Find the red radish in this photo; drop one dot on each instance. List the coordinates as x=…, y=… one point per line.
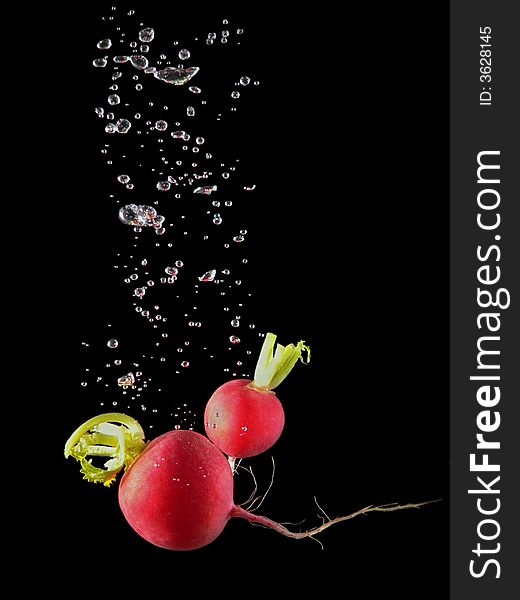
x=177, y=492
x=244, y=417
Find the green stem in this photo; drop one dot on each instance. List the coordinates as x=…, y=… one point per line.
x=272, y=369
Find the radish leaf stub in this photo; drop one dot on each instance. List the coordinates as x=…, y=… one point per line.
x=272, y=369
x=113, y=435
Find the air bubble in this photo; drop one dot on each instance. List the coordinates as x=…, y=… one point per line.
x=126, y=380
x=176, y=76
x=123, y=125
x=208, y=276
x=205, y=189
x=146, y=35
x=139, y=61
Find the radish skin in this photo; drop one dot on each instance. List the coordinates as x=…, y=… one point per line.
x=179, y=493
x=242, y=420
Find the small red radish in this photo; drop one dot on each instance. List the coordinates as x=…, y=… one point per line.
x=177, y=491
x=244, y=417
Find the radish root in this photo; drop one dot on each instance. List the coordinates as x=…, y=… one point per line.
x=239, y=512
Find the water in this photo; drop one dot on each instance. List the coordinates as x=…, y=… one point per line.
x=181, y=293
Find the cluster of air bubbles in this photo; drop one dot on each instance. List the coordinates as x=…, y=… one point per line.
x=121, y=126
x=140, y=215
x=180, y=135
x=151, y=160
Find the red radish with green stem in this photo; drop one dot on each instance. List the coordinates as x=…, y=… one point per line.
x=177, y=491
x=244, y=417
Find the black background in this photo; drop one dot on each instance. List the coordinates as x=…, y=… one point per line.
x=357, y=182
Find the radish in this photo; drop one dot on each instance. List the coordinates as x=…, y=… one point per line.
x=245, y=418
x=177, y=491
